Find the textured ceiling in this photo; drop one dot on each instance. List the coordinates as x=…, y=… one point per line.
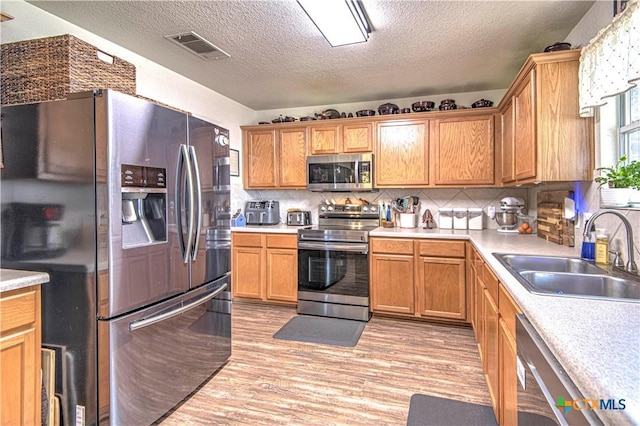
x=280, y=60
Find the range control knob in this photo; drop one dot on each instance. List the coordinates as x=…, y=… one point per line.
x=323, y=208
x=330, y=208
x=373, y=209
x=365, y=209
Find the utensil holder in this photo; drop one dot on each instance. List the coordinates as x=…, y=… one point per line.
x=408, y=220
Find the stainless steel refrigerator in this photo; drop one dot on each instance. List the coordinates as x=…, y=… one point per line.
x=125, y=203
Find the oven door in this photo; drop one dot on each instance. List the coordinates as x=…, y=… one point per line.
x=333, y=272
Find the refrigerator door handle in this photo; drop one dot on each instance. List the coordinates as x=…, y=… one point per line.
x=198, y=197
x=154, y=319
x=189, y=193
x=180, y=186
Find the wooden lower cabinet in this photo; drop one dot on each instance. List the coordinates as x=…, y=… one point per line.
x=392, y=284
x=20, y=359
x=409, y=278
x=442, y=287
x=490, y=347
x=508, y=377
x=264, y=266
x=494, y=325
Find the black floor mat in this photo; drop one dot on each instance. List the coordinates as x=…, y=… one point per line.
x=427, y=410
x=328, y=331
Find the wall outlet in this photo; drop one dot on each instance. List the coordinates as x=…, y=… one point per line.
x=491, y=212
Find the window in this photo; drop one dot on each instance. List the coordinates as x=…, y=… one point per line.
x=630, y=124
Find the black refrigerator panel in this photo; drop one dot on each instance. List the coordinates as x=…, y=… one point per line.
x=141, y=143
x=209, y=145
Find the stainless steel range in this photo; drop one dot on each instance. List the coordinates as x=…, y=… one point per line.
x=333, y=265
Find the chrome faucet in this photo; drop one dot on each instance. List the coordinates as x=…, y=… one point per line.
x=590, y=226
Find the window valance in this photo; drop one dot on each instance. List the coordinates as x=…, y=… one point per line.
x=610, y=63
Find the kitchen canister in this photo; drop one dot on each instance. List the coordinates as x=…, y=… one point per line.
x=408, y=220
x=445, y=218
x=475, y=218
x=459, y=218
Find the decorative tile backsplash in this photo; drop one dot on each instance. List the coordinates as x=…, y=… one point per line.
x=432, y=199
x=586, y=195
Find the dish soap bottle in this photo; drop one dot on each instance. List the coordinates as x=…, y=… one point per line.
x=602, y=246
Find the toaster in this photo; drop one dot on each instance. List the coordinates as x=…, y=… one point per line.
x=299, y=218
x=262, y=212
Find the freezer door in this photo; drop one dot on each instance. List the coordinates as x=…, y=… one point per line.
x=151, y=360
x=139, y=137
x=209, y=147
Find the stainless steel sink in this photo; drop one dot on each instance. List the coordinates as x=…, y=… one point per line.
x=582, y=285
x=567, y=276
x=551, y=264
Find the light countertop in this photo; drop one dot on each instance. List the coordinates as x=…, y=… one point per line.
x=11, y=279
x=596, y=341
x=277, y=229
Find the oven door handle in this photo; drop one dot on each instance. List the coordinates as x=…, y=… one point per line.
x=317, y=245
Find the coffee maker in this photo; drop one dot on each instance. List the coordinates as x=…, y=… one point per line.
x=509, y=214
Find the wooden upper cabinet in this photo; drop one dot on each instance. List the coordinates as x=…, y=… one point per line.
x=343, y=138
x=259, y=158
x=506, y=118
x=402, y=157
x=325, y=139
x=543, y=137
x=275, y=158
x=357, y=137
x=463, y=151
x=292, y=156
x=524, y=132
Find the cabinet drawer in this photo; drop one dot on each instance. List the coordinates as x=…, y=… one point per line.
x=508, y=309
x=491, y=283
x=282, y=241
x=18, y=308
x=247, y=240
x=392, y=246
x=442, y=248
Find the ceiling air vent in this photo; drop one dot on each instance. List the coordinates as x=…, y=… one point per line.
x=198, y=46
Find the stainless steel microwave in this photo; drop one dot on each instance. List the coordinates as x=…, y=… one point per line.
x=340, y=173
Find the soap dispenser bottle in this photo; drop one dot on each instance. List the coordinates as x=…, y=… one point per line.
x=602, y=246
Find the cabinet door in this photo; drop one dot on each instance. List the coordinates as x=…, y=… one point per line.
x=402, y=154
x=441, y=288
x=20, y=356
x=479, y=319
x=325, y=139
x=357, y=137
x=491, y=323
x=524, y=130
x=282, y=275
x=507, y=143
x=392, y=284
x=463, y=151
x=260, y=159
x=247, y=272
x=293, y=158
x=508, y=377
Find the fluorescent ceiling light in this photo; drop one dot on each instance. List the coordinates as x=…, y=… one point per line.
x=340, y=21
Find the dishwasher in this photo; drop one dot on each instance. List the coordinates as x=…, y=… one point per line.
x=543, y=384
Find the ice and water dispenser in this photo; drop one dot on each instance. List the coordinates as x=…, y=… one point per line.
x=144, y=205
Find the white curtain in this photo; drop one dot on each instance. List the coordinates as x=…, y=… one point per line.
x=610, y=63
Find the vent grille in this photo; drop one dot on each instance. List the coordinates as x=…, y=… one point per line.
x=198, y=46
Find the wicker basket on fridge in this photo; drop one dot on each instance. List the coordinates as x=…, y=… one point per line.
x=50, y=68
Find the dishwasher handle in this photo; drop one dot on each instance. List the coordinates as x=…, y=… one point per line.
x=154, y=319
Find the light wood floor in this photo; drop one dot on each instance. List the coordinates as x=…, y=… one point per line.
x=278, y=382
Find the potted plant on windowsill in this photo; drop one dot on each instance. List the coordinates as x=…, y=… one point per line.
x=618, y=181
